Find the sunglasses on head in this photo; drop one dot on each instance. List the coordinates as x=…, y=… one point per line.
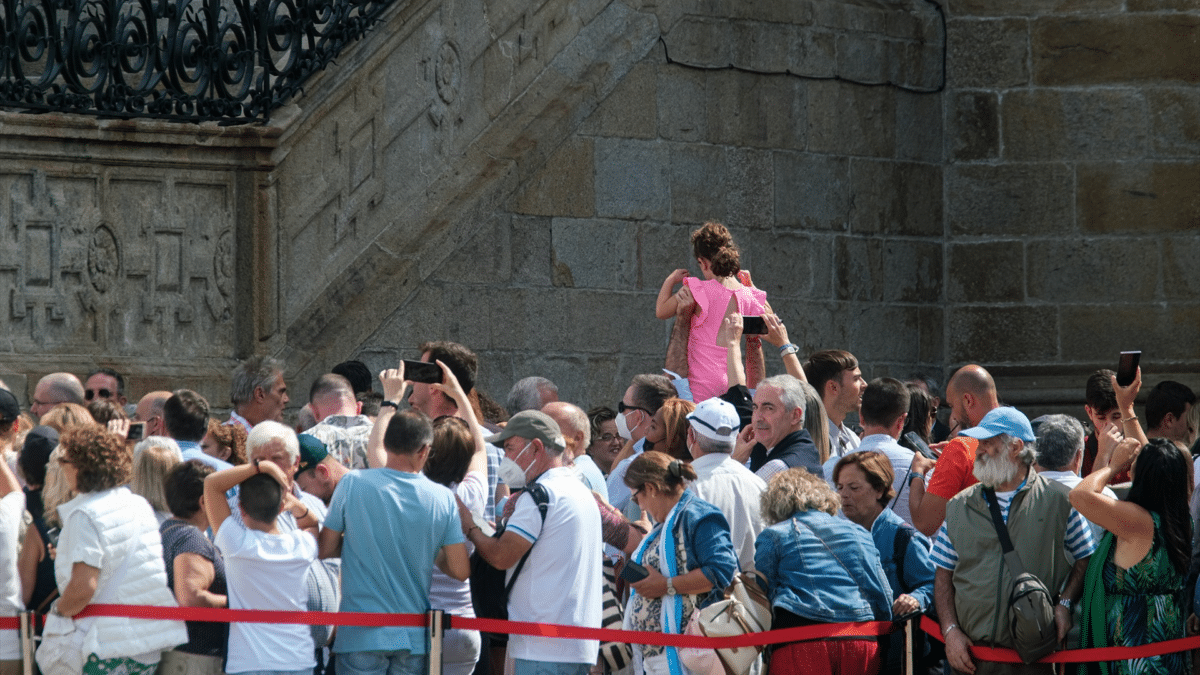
x=621, y=408
x=92, y=393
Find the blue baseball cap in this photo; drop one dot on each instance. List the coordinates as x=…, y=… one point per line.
x=1004, y=420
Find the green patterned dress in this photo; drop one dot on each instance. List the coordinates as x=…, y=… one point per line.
x=1146, y=605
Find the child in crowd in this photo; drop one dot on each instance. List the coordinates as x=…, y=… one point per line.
x=264, y=567
x=723, y=280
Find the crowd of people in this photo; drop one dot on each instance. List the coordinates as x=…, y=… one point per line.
x=849, y=501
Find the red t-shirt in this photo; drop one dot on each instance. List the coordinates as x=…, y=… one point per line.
x=955, y=468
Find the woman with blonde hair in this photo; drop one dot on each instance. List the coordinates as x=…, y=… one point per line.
x=819, y=569
x=153, y=459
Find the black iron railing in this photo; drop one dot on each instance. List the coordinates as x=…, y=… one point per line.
x=184, y=60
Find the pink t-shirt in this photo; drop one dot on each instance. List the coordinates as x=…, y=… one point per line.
x=706, y=361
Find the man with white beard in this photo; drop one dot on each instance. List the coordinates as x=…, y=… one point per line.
x=972, y=607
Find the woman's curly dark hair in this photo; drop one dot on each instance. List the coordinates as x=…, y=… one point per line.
x=714, y=243
x=101, y=460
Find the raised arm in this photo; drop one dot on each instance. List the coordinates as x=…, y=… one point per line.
x=451, y=387
x=217, y=484
x=664, y=307
x=730, y=337
x=1124, y=519
x=778, y=336
x=677, y=347
x=1125, y=398
x=394, y=386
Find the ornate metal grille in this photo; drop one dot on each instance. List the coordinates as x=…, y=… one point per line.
x=182, y=60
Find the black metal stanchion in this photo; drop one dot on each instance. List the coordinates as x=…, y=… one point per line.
x=436, y=625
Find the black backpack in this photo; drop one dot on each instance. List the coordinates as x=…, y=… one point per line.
x=489, y=592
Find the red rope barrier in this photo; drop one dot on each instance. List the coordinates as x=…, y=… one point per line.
x=1073, y=655
x=9, y=623
x=800, y=634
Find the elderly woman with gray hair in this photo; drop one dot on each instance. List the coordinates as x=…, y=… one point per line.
x=819, y=569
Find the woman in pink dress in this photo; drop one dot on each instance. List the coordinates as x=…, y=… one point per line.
x=719, y=262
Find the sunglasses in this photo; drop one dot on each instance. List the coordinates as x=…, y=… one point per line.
x=621, y=408
x=92, y=393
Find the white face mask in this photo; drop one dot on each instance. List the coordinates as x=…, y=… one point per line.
x=623, y=429
x=521, y=453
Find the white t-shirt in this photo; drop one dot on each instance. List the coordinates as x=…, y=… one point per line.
x=11, y=508
x=266, y=571
x=447, y=593
x=561, y=580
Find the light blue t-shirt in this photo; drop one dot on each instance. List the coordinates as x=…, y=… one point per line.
x=590, y=474
x=393, y=525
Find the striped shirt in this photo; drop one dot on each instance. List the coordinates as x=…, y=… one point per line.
x=1078, y=542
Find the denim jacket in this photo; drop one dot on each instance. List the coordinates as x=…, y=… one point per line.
x=918, y=568
x=823, y=568
x=709, y=548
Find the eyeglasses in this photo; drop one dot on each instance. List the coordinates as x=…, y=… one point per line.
x=634, y=494
x=609, y=438
x=92, y=393
x=621, y=408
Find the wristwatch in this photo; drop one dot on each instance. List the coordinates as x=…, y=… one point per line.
x=1065, y=602
x=390, y=404
x=671, y=586
x=789, y=348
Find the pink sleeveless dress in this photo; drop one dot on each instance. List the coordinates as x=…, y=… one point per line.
x=706, y=361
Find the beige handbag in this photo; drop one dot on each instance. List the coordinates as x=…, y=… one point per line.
x=745, y=609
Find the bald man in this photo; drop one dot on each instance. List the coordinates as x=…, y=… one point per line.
x=150, y=411
x=971, y=395
x=53, y=389
x=577, y=431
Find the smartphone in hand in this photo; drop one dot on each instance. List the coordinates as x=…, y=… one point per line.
x=1127, y=368
x=633, y=572
x=423, y=372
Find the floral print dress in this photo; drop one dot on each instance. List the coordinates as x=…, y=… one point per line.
x=1146, y=605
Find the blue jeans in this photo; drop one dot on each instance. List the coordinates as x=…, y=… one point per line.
x=400, y=662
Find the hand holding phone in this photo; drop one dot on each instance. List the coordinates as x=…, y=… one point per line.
x=633, y=572
x=1127, y=367
x=423, y=372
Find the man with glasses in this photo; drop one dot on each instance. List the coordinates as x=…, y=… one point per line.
x=643, y=398
x=105, y=384
x=53, y=389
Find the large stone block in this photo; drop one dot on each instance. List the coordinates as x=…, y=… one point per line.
x=595, y=253
x=613, y=323
x=973, y=122
x=888, y=270
x=989, y=54
x=681, y=102
x=870, y=131
x=762, y=47
x=1042, y=124
x=1162, y=5
x=750, y=194
x=1098, y=332
x=631, y=111
x=1139, y=197
x=882, y=334
x=530, y=245
x=932, y=335
x=1175, y=121
x=815, y=54
x=986, y=272
x=782, y=262
x=812, y=191
x=862, y=58
x=564, y=186
x=662, y=249
x=484, y=259
x=632, y=179
x=1010, y=199
x=1004, y=334
x=895, y=198
x=1179, y=260
x=919, y=127
x=699, y=179
x=767, y=111
x=1074, y=270
x=701, y=42
x=1132, y=48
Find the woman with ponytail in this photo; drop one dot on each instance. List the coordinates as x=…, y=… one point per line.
x=688, y=555
x=723, y=280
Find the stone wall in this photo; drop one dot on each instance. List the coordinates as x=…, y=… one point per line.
x=1008, y=183
x=1072, y=185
